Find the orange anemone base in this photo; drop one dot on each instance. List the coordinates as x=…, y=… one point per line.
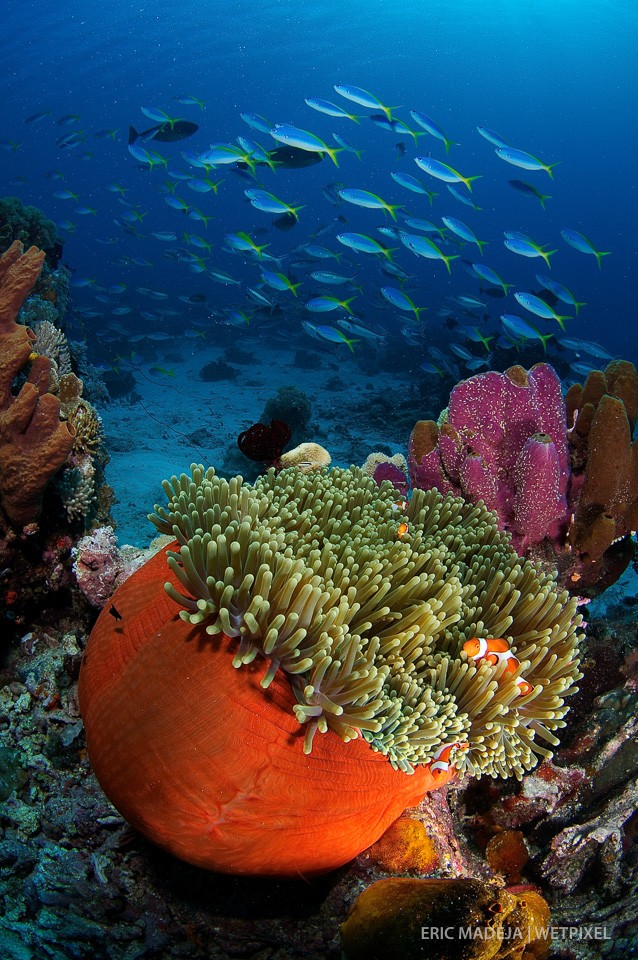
x=209, y=765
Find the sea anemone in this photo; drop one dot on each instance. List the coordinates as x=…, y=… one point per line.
x=348, y=638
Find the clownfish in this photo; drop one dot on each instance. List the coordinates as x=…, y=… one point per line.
x=491, y=649
x=495, y=650
x=400, y=505
x=402, y=530
x=440, y=762
x=524, y=687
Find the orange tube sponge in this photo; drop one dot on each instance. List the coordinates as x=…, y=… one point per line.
x=604, y=411
x=34, y=442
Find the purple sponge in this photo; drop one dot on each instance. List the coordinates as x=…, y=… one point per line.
x=504, y=442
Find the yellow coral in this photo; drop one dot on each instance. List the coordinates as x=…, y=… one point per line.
x=87, y=424
x=374, y=459
x=306, y=457
x=69, y=392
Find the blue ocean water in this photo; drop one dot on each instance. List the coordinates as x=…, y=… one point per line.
x=555, y=78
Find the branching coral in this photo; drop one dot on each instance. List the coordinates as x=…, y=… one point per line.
x=77, y=490
x=50, y=342
x=309, y=573
x=34, y=443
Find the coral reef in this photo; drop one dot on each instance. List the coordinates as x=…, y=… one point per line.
x=50, y=297
x=34, y=443
x=293, y=407
x=51, y=455
x=585, y=811
x=357, y=637
x=234, y=354
x=78, y=455
x=119, y=383
x=306, y=360
x=35, y=575
x=30, y=227
x=216, y=370
x=577, y=814
x=93, y=378
x=80, y=483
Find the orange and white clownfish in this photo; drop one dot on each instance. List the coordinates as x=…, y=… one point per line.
x=402, y=530
x=400, y=505
x=440, y=762
x=524, y=687
x=490, y=649
x=495, y=650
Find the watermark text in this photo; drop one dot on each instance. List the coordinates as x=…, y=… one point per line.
x=581, y=932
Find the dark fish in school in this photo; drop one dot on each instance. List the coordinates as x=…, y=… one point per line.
x=290, y=158
x=164, y=132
